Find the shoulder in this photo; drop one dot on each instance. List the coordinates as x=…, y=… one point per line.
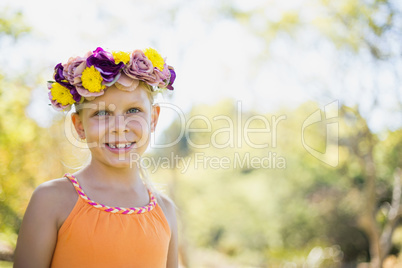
x=53, y=187
x=38, y=232
x=170, y=213
x=53, y=196
x=169, y=207
x=53, y=190
x=167, y=202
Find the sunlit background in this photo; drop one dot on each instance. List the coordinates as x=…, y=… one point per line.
x=321, y=202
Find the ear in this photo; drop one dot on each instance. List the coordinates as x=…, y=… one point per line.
x=77, y=122
x=155, y=116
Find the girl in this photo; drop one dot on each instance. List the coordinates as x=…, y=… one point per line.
x=107, y=214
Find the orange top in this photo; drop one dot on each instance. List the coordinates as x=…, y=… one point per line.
x=95, y=235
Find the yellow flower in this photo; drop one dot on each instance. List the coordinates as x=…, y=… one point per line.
x=155, y=58
x=120, y=56
x=61, y=94
x=92, y=79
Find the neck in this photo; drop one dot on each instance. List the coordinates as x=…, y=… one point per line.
x=105, y=174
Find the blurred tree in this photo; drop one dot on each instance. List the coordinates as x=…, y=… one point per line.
x=265, y=215
x=358, y=29
x=12, y=24
x=26, y=150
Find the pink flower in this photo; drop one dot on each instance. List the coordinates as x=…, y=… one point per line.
x=73, y=72
x=87, y=94
x=74, y=68
x=163, y=76
x=126, y=83
x=141, y=68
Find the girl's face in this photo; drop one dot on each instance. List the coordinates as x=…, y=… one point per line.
x=117, y=125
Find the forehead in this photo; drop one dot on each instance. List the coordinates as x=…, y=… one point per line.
x=119, y=97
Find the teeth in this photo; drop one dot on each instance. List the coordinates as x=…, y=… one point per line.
x=120, y=145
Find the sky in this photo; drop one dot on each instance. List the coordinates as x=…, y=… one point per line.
x=214, y=56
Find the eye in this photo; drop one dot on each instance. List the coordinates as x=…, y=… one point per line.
x=101, y=113
x=134, y=110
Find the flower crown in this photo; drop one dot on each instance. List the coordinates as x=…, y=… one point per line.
x=88, y=77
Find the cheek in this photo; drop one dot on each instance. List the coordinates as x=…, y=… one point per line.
x=96, y=128
x=139, y=124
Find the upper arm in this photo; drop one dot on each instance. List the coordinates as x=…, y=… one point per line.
x=38, y=233
x=170, y=213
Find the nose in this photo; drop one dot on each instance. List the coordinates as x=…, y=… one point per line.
x=118, y=124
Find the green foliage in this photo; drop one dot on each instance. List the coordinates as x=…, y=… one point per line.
x=360, y=25
x=20, y=153
x=24, y=146
x=266, y=216
x=5, y=264
x=16, y=137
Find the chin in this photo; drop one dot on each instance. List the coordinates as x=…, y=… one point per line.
x=123, y=160
x=120, y=164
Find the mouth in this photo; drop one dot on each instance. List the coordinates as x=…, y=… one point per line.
x=120, y=146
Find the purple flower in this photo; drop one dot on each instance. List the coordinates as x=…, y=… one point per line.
x=172, y=78
x=76, y=96
x=58, y=73
x=141, y=68
x=104, y=63
x=59, y=77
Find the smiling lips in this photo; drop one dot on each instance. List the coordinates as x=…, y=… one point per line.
x=119, y=145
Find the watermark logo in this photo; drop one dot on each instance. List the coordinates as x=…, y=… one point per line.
x=238, y=133
x=244, y=161
x=256, y=132
x=331, y=154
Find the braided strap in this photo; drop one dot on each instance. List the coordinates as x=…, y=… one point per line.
x=116, y=210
